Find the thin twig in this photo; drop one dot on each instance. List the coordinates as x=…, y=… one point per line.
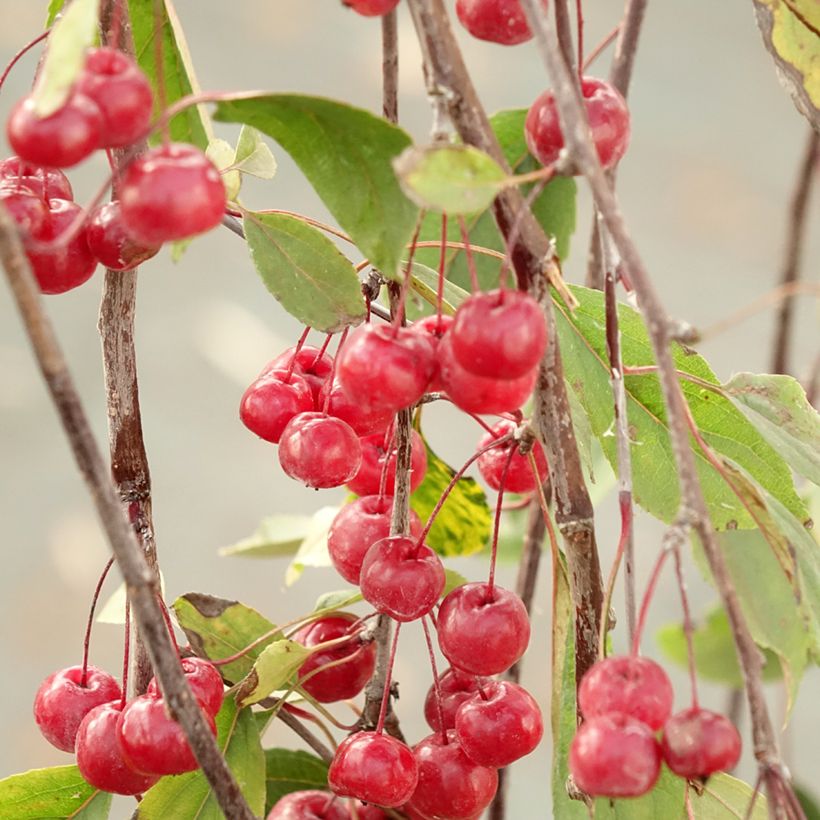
x=294, y=723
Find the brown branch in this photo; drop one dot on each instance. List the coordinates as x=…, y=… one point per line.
x=693, y=505
x=143, y=590
x=531, y=256
x=798, y=213
x=300, y=729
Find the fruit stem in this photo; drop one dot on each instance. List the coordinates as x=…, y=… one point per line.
x=465, y=238
x=688, y=628
x=389, y=439
x=625, y=504
x=39, y=38
x=387, y=680
x=436, y=683
x=159, y=70
x=398, y=310
x=87, y=638
x=579, y=14
x=442, y=262
x=342, y=338
x=497, y=523
x=292, y=362
x=126, y=654
x=598, y=50
x=322, y=351
x=168, y=625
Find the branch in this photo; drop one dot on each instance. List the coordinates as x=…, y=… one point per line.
x=140, y=580
x=294, y=723
x=798, y=213
x=576, y=135
x=532, y=258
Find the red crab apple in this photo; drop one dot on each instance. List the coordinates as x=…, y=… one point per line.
x=268, y=405
x=111, y=244
x=520, y=478
x=371, y=8
x=367, y=480
x=309, y=805
x=697, y=743
x=455, y=687
x=205, y=682
x=497, y=21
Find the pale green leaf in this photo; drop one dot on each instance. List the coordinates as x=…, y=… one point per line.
x=274, y=668
x=113, y=610
x=57, y=793
x=341, y=598
x=54, y=8
x=253, y=156
x=292, y=771
x=275, y=536
x=221, y=154
x=312, y=551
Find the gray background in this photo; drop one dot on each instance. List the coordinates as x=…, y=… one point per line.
x=704, y=187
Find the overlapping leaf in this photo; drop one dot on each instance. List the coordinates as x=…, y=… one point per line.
x=58, y=793
x=291, y=771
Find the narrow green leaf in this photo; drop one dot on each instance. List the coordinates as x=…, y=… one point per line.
x=424, y=282
x=274, y=668
x=779, y=409
x=253, y=156
x=346, y=154
x=305, y=271
x=65, y=57
x=51, y=794
x=276, y=535
x=191, y=125
x=54, y=8
x=312, y=551
x=291, y=771
x=330, y=601
x=463, y=525
x=189, y=796
x=217, y=628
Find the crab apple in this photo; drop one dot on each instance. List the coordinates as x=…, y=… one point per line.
x=385, y=367
x=122, y=93
x=479, y=394
x=492, y=464
x=367, y=480
x=450, y=784
x=319, y=451
x=497, y=21
x=268, y=405
x=345, y=680
x=62, y=701
x=47, y=183
x=364, y=811
x=482, y=631
x=455, y=687
x=309, y=805
x=434, y=328
x=500, y=334
x=98, y=754
x=205, y=682
x=371, y=8
x=311, y=364
x=151, y=742
x=608, y=117
x=111, y=244
x=356, y=527
x=402, y=578
x=634, y=686
x=171, y=192
x=65, y=266
x=338, y=404
x=27, y=209
x=375, y=768
x=499, y=724
x=61, y=139
x=697, y=743
x=614, y=755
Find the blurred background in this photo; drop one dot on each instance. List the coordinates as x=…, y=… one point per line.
x=705, y=188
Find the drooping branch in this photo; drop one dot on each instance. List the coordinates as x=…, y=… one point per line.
x=531, y=254
x=140, y=580
x=693, y=505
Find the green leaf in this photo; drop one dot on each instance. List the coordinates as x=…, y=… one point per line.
x=330, y=601
x=777, y=406
x=424, y=282
x=312, y=551
x=217, y=628
x=276, y=535
x=113, y=610
x=305, y=271
x=65, y=57
x=715, y=656
x=808, y=802
x=346, y=154
x=221, y=154
x=725, y=429
x=51, y=794
x=189, y=796
x=727, y=798
x=462, y=527
x=452, y=580
x=253, y=156
x=54, y=8
x=455, y=179
x=791, y=33
x=665, y=800
x=290, y=771
x=191, y=125
x=273, y=669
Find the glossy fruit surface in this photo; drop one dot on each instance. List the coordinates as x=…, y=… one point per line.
x=62, y=139
x=98, y=754
x=450, y=784
x=608, y=121
x=367, y=480
x=111, y=244
x=625, y=683
x=365, y=422
x=500, y=334
x=345, y=680
x=319, y=451
x=47, y=183
x=371, y=8
x=356, y=527
x=121, y=91
x=310, y=365
x=614, y=756
x=455, y=687
x=26, y=208
x=171, y=192
x=309, y=805
x=499, y=725
x=434, y=327
x=205, y=682
x=697, y=743
x=268, y=405
x=401, y=578
x=62, y=702
x=480, y=633
x=519, y=478
x=375, y=768
x=151, y=742
x=497, y=21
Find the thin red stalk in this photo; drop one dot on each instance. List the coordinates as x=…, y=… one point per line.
x=28, y=46
x=442, y=260
x=323, y=349
x=497, y=523
x=388, y=448
x=468, y=250
x=90, y=624
x=299, y=344
x=436, y=683
x=168, y=625
x=159, y=71
x=625, y=505
x=688, y=628
x=398, y=318
x=126, y=653
x=387, y=681
x=599, y=49
x=579, y=13
x=647, y=599
x=342, y=339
